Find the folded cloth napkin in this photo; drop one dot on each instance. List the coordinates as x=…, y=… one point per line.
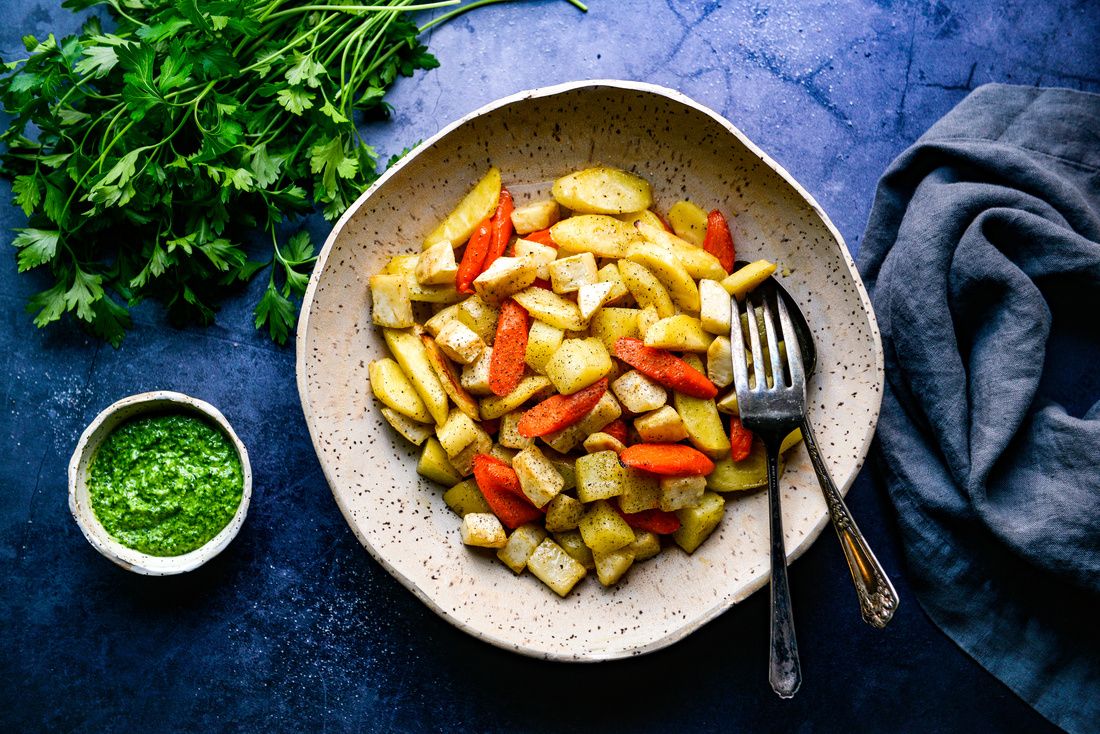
x=984, y=239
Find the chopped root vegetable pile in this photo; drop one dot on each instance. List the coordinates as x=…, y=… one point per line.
x=565, y=365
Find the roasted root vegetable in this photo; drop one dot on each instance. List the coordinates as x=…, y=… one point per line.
x=551, y=370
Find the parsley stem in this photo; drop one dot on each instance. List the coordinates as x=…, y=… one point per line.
x=360, y=8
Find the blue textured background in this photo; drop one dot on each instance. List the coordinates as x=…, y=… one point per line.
x=294, y=626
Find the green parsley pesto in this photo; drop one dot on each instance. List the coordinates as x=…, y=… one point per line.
x=165, y=485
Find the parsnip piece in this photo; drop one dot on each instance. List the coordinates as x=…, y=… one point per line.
x=728, y=403
x=390, y=385
x=483, y=530
x=638, y=393
x=600, y=441
x=464, y=498
x=542, y=341
x=611, y=566
x=550, y=308
x=456, y=433
x=679, y=333
x=535, y=216
x=646, y=288
x=554, y=567
x=509, y=433
x=591, y=297
x=410, y=353
x=645, y=546
x=416, y=433
x=604, y=529
x=480, y=316
x=698, y=262
x=641, y=491
x=681, y=286
x=572, y=543
x=507, y=275
x=599, y=476
x=601, y=235
x=435, y=465
x=521, y=544
x=448, y=378
x=539, y=254
x=538, y=478
x=459, y=342
x=480, y=202
x=495, y=406
x=609, y=324
x=577, y=364
x=568, y=274
x=697, y=523
x=720, y=362
x=678, y=493
x=661, y=426
x=563, y=513
x=688, y=222
x=390, y=302
x=714, y=307
x=610, y=274
x=436, y=265
x=603, y=190
x=475, y=376
x=741, y=282
x=463, y=462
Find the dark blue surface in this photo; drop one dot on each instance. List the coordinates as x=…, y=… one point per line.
x=294, y=626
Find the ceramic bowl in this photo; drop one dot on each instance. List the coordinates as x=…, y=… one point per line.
x=685, y=151
x=80, y=503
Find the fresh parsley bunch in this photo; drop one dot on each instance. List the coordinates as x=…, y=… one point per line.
x=142, y=156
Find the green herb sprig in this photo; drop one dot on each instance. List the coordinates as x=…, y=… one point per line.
x=144, y=156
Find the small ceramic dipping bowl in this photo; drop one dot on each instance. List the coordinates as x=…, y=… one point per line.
x=80, y=504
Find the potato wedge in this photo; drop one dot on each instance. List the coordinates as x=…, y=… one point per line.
x=577, y=364
x=599, y=476
x=550, y=308
x=602, y=190
x=701, y=419
x=495, y=406
x=646, y=288
x=681, y=287
x=679, y=333
x=480, y=316
x=688, y=222
x=535, y=216
x=483, y=529
x=697, y=261
x=645, y=546
x=610, y=567
x=648, y=216
x=542, y=341
x=611, y=324
x=697, y=523
x=449, y=379
x=435, y=465
x=610, y=274
x=415, y=433
x=405, y=265
x=563, y=513
x=752, y=471
x=389, y=384
x=410, y=353
x=741, y=282
x=601, y=235
x=464, y=498
x=714, y=307
x=604, y=529
x=641, y=491
x=480, y=202
x=572, y=543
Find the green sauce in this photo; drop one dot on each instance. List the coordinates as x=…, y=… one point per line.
x=165, y=485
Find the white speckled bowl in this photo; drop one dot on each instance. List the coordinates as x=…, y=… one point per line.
x=685, y=150
x=80, y=504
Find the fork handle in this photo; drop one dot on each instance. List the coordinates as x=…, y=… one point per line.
x=784, y=671
x=877, y=598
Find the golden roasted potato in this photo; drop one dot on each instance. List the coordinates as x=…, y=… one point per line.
x=602, y=190
x=389, y=384
x=601, y=235
x=479, y=203
x=646, y=288
x=688, y=222
x=412, y=356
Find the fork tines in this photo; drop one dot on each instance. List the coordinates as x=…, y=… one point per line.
x=759, y=308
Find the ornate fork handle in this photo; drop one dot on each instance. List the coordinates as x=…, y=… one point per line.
x=877, y=599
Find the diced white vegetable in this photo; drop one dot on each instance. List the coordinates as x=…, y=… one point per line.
x=521, y=544
x=550, y=308
x=509, y=433
x=475, y=376
x=715, y=306
x=390, y=302
x=542, y=341
x=678, y=493
x=638, y=393
x=591, y=296
x=720, y=361
x=606, y=410
x=480, y=316
x=661, y=426
x=483, y=529
x=464, y=461
x=645, y=545
x=507, y=275
x=459, y=342
x=438, y=321
x=600, y=441
x=541, y=255
x=563, y=513
x=538, y=478
x=436, y=265
x=555, y=568
x=535, y=216
x=610, y=274
x=611, y=566
x=568, y=274
x=456, y=433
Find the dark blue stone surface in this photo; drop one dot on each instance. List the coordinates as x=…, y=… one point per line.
x=294, y=627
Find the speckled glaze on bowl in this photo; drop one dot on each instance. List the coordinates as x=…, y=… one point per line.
x=80, y=504
x=685, y=150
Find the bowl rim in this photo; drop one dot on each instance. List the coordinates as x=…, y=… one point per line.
x=80, y=504
x=301, y=357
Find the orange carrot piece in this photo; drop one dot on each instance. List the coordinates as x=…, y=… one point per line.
x=655, y=521
x=616, y=429
x=560, y=411
x=542, y=236
x=718, y=241
x=740, y=440
x=502, y=228
x=665, y=368
x=501, y=489
x=473, y=260
x=509, y=349
x=667, y=459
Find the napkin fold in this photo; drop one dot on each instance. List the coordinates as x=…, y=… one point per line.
x=982, y=254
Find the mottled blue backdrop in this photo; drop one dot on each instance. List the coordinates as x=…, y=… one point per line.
x=294, y=627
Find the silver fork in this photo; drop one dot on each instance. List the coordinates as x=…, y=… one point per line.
x=771, y=412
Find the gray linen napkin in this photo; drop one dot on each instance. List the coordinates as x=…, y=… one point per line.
x=984, y=240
